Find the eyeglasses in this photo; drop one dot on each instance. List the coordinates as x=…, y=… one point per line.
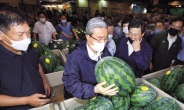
x=100, y=39
x=176, y=27
x=131, y=34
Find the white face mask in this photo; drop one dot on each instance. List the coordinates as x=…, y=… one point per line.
x=63, y=21
x=19, y=45
x=42, y=20
x=125, y=30
x=99, y=47
x=110, y=37
x=119, y=24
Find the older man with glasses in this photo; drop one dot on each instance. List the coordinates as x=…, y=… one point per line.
x=134, y=50
x=166, y=45
x=79, y=78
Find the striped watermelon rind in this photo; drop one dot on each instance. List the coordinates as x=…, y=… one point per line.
x=120, y=103
x=179, y=92
x=99, y=103
x=141, y=97
x=155, y=82
x=115, y=71
x=170, y=81
x=163, y=103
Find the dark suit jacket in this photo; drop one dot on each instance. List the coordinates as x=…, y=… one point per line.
x=162, y=57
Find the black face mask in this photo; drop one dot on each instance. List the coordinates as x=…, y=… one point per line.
x=130, y=40
x=173, y=31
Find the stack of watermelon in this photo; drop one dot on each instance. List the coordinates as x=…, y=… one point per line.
x=172, y=82
x=49, y=61
x=130, y=96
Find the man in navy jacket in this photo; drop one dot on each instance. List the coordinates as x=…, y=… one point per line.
x=134, y=50
x=79, y=78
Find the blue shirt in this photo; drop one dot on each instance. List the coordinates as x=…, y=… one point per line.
x=111, y=46
x=19, y=75
x=181, y=54
x=139, y=61
x=66, y=29
x=118, y=33
x=79, y=78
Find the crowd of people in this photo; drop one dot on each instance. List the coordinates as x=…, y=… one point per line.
x=145, y=46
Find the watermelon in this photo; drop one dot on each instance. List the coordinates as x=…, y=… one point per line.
x=163, y=103
x=99, y=103
x=171, y=79
x=179, y=92
x=155, y=82
x=159, y=78
x=173, y=95
x=142, y=95
x=48, y=63
x=115, y=71
x=135, y=108
x=58, y=68
x=120, y=103
x=39, y=47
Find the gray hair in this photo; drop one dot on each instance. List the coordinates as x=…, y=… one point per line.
x=96, y=22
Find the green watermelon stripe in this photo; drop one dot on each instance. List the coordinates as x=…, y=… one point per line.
x=126, y=86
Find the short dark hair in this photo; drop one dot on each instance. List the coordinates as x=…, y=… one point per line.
x=126, y=20
x=137, y=24
x=41, y=12
x=109, y=22
x=160, y=21
x=176, y=19
x=11, y=16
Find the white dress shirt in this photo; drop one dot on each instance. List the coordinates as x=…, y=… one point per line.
x=92, y=55
x=44, y=31
x=111, y=46
x=171, y=40
x=130, y=48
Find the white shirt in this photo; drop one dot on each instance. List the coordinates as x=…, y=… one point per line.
x=111, y=46
x=44, y=31
x=130, y=48
x=91, y=54
x=171, y=41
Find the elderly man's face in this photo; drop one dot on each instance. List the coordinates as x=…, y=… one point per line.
x=99, y=35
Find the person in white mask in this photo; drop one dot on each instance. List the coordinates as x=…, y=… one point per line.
x=79, y=78
x=159, y=27
x=44, y=29
x=125, y=24
x=111, y=46
x=22, y=81
x=65, y=28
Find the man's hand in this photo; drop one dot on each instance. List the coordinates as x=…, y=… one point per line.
x=136, y=45
x=106, y=91
x=35, y=101
x=47, y=88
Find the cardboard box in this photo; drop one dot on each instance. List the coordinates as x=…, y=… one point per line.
x=72, y=103
x=66, y=51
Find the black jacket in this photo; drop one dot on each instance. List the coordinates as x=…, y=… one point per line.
x=162, y=57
